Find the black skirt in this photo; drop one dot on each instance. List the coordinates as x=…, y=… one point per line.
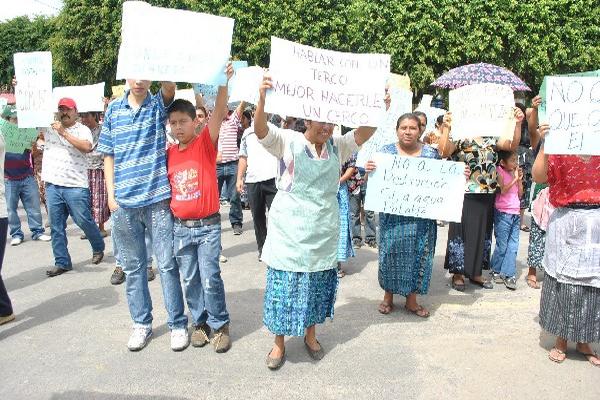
x=470, y=241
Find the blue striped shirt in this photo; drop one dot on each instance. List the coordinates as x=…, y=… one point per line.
x=136, y=140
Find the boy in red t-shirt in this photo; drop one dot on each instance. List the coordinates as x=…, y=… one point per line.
x=191, y=167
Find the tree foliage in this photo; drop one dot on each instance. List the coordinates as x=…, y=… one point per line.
x=425, y=38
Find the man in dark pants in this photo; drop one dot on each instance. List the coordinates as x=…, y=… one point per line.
x=6, y=310
x=258, y=169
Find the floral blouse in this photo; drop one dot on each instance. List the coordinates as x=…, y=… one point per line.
x=481, y=157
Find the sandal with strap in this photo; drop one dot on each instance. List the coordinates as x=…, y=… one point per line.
x=458, y=285
x=419, y=311
x=385, y=308
x=532, y=283
x=588, y=356
x=558, y=357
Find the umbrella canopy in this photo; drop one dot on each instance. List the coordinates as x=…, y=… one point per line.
x=480, y=73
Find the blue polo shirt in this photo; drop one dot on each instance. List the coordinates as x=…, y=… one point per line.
x=136, y=140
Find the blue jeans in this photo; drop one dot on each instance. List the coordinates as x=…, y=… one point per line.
x=197, y=252
x=27, y=191
x=64, y=201
x=356, y=201
x=506, y=232
x=129, y=225
x=147, y=241
x=227, y=173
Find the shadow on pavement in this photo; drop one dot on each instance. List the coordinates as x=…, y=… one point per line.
x=79, y=395
x=246, y=312
x=61, y=306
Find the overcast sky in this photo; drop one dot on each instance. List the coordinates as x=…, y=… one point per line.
x=14, y=8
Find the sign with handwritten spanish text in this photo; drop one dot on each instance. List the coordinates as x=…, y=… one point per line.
x=573, y=111
x=327, y=86
x=16, y=139
x=182, y=54
x=483, y=109
x=245, y=84
x=33, y=92
x=416, y=187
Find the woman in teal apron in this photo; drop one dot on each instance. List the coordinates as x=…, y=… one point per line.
x=301, y=245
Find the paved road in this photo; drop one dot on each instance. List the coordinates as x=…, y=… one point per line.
x=69, y=340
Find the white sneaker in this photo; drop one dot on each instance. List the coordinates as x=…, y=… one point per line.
x=140, y=336
x=222, y=258
x=179, y=339
x=16, y=241
x=44, y=238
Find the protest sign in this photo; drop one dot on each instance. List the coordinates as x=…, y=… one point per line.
x=416, y=187
x=89, y=98
x=209, y=91
x=484, y=109
x=33, y=92
x=401, y=102
x=244, y=85
x=328, y=86
x=149, y=52
x=431, y=112
x=16, y=139
x=396, y=81
x=573, y=108
x=186, y=94
x=542, y=116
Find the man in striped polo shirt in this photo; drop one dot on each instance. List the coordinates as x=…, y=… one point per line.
x=133, y=142
x=228, y=165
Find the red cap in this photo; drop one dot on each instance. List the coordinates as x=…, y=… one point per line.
x=67, y=102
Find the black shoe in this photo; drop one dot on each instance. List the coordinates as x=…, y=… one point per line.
x=55, y=272
x=485, y=284
x=118, y=276
x=151, y=274
x=97, y=257
x=237, y=230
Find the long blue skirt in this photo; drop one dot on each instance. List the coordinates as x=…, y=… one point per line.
x=345, y=249
x=406, y=251
x=296, y=300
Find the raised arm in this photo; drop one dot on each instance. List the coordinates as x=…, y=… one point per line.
x=540, y=166
x=260, y=117
x=533, y=121
x=445, y=146
x=218, y=115
x=167, y=90
x=508, y=144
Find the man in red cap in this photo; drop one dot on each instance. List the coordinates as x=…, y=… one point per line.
x=64, y=169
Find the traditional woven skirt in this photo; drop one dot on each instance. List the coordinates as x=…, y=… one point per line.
x=470, y=241
x=406, y=251
x=98, y=196
x=569, y=311
x=345, y=249
x=295, y=301
x=537, y=244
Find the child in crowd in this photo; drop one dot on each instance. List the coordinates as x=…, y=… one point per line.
x=191, y=167
x=507, y=219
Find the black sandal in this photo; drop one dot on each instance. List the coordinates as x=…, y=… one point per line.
x=485, y=284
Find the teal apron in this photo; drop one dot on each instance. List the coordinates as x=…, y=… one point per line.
x=303, y=228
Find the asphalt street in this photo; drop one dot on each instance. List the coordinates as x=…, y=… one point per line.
x=69, y=338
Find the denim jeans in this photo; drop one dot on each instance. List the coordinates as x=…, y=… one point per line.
x=74, y=201
x=356, y=201
x=197, y=252
x=227, y=173
x=129, y=225
x=27, y=191
x=147, y=241
x=506, y=232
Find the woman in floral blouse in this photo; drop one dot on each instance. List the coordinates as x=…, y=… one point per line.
x=470, y=241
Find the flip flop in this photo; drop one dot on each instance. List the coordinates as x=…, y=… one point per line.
x=532, y=283
x=458, y=285
x=558, y=357
x=589, y=356
x=385, y=308
x=424, y=313
x=525, y=228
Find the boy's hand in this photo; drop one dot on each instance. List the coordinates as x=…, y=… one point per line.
x=112, y=204
x=266, y=84
x=229, y=70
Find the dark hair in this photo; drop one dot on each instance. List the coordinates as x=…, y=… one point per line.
x=299, y=126
x=505, y=155
x=184, y=106
x=421, y=114
x=412, y=116
x=203, y=109
x=521, y=107
x=439, y=120
x=248, y=115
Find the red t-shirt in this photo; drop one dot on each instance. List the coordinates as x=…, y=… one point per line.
x=193, y=178
x=573, y=180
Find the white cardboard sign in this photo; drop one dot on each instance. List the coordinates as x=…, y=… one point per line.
x=416, y=187
x=33, y=92
x=89, y=98
x=328, y=86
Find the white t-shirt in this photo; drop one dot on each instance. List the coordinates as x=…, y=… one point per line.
x=63, y=164
x=262, y=165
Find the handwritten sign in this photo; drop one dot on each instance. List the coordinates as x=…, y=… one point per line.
x=17, y=139
x=244, y=85
x=186, y=94
x=328, y=86
x=33, y=92
x=416, y=187
x=396, y=81
x=542, y=115
x=573, y=107
x=484, y=109
x=209, y=91
x=89, y=98
x=401, y=102
x=182, y=55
